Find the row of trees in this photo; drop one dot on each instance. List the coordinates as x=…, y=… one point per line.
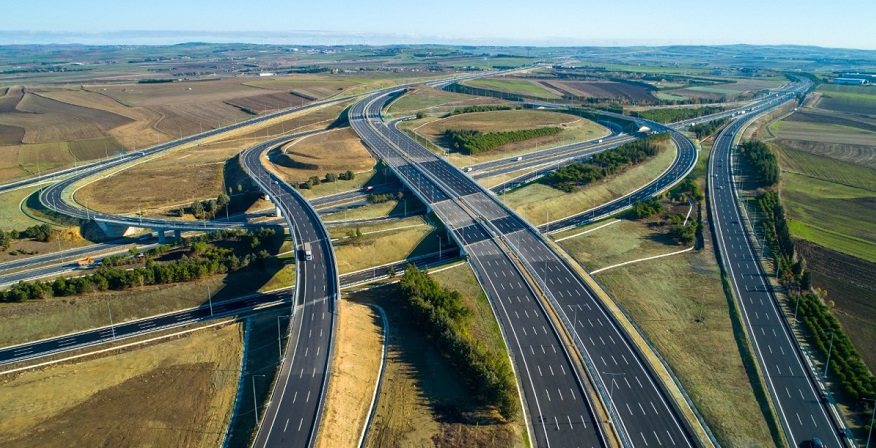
x=474, y=142
x=855, y=380
x=209, y=208
x=606, y=163
x=759, y=157
x=676, y=114
x=329, y=177
x=445, y=319
x=198, y=260
x=470, y=109
x=379, y=198
x=702, y=130
x=39, y=232
x=647, y=208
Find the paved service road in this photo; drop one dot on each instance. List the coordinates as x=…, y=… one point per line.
x=802, y=411
x=555, y=399
x=293, y=415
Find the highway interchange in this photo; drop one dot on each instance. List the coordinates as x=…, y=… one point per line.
x=515, y=266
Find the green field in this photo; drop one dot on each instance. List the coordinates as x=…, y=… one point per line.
x=822, y=132
x=11, y=217
x=520, y=86
x=828, y=169
x=849, y=99
x=832, y=215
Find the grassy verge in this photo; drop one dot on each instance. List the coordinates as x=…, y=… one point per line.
x=423, y=401
x=89, y=403
x=382, y=243
x=11, y=217
x=354, y=375
x=537, y=202
x=406, y=207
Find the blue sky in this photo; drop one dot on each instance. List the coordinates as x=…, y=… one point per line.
x=533, y=22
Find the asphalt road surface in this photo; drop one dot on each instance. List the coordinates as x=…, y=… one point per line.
x=555, y=398
x=799, y=401
x=638, y=403
x=293, y=415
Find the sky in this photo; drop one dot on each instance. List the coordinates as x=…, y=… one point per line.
x=481, y=22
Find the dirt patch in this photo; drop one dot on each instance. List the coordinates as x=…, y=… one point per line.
x=11, y=135
x=354, y=375
x=175, y=393
x=271, y=101
x=48, y=120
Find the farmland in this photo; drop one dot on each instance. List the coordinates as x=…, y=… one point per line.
x=848, y=99
x=608, y=90
x=89, y=402
x=516, y=85
x=425, y=98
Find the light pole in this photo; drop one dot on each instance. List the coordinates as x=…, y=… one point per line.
x=280, y=337
x=439, y=247
x=255, y=404
x=210, y=299
x=872, y=421
x=827, y=364
x=112, y=325
x=611, y=392
x=796, y=306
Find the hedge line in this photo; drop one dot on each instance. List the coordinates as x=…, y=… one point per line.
x=759, y=157
x=444, y=318
x=676, y=114
x=473, y=142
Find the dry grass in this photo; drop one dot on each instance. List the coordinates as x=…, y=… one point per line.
x=33, y=320
x=317, y=87
x=332, y=151
x=46, y=120
x=423, y=401
x=828, y=133
x=679, y=304
x=538, y=202
x=354, y=375
x=628, y=240
x=383, y=243
x=130, y=399
x=434, y=101
x=64, y=239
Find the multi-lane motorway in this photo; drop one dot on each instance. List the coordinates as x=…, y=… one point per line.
x=294, y=412
x=797, y=397
x=554, y=396
x=639, y=405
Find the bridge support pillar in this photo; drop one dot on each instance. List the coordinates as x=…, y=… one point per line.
x=177, y=235
x=162, y=236
x=113, y=231
x=277, y=212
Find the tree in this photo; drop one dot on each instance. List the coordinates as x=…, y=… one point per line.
x=806, y=281
x=421, y=115
x=314, y=180
x=198, y=209
x=331, y=177
x=222, y=200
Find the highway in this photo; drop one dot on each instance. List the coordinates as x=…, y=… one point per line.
x=235, y=306
x=797, y=397
x=294, y=412
x=637, y=402
x=555, y=399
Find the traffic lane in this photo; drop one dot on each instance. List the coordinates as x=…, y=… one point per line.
x=642, y=405
x=561, y=415
x=791, y=388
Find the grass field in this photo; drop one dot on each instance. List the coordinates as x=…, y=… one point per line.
x=848, y=99
x=539, y=203
x=575, y=129
x=385, y=242
x=861, y=155
x=514, y=85
x=829, y=133
x=333, y=151
x=32, y=320
x=354, y=375
x=130, y=397
x=828, y=169
x=425, y=98
x=409, y=205
x=835, y=216
x=11, y=217
x=423, y=401
x=679, y=304
x=848, y=282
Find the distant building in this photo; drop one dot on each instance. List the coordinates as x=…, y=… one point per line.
x=868, y=76
x=850, y=81
x=266, y=74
